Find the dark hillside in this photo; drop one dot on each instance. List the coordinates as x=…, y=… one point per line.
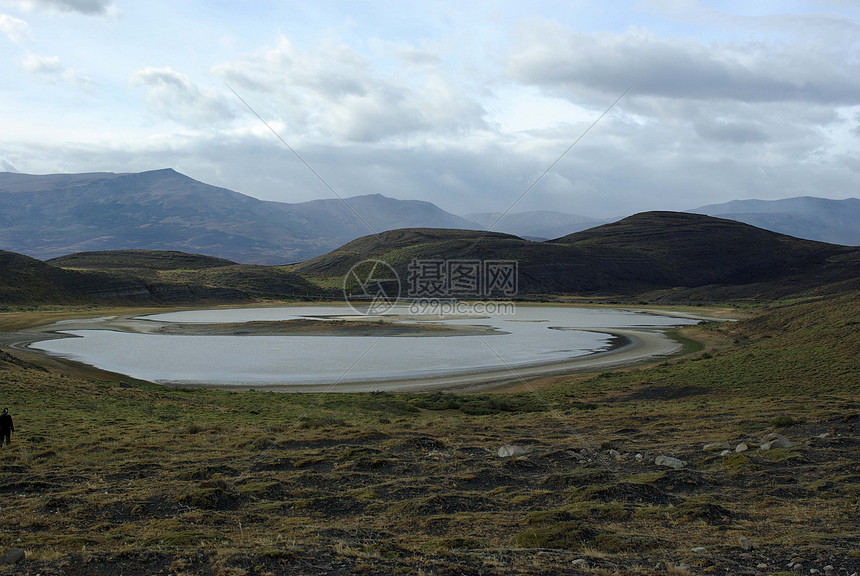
x=25, y=280
x=138, y=259
x=690, y=250
x=646, y=252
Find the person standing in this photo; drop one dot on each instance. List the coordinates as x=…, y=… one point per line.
x=6, y=427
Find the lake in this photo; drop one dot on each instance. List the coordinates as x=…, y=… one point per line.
x=534, y=335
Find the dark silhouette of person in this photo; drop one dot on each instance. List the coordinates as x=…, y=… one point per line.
x=6, y=427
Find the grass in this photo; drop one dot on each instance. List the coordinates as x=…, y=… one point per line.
x=193, y=481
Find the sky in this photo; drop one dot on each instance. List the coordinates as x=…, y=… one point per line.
x=463, y=104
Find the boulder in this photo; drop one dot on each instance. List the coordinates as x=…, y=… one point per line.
x=13, y=556
x=715, y=446
x=669, y=462
x=509, y=450
x=775, y=441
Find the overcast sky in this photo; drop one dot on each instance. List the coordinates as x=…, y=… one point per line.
x=462, y=104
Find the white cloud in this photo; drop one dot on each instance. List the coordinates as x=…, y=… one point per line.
x=16, y=29
x=574, y=63
x=50, y=69
x=334, y=92
x=88, y=7
x=172, y=95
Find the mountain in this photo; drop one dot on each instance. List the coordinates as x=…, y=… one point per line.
x=52, y=215
x=537, y=224
x=642, y=253
x=835, y=221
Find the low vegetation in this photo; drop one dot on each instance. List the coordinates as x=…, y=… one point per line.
x=132, y=478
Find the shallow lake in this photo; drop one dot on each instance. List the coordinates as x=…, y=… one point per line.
x=533, y=335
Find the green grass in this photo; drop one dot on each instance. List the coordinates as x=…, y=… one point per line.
x=216, y=482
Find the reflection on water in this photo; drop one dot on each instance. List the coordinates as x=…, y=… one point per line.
x=531, y=336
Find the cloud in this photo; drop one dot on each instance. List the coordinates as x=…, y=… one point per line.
x=87, y=7
x=333, y=92
x=16, y=29
x=571, y=63
x=172, y=95
x=50, y=69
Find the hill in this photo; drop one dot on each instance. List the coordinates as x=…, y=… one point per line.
x=170, y=268
x=835, y=221
x=656, y=256
x=645, y=252
x=51, y=215
x=27, y=281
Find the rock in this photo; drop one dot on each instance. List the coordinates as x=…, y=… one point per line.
x=698, y=550
x=509, y=450
x=615, y=454
x=761, y=566
x=576, y=455
x=639, y=457
x=714, y=446
x=581, y=562
x=798, y=568
x=13, y=556
x=725, y=452
x=814, y=571
x=745, y=543
x=669, y=462
x=742, y=447
x=775, y=441
x=823, y=436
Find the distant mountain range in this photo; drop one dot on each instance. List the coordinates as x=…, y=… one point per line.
x=649, y=257
x=835, y=221
x=47, y=216
x=52, y=215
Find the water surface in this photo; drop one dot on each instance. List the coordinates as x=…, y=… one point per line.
x=534, y=335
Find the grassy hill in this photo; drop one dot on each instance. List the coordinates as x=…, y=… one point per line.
x=182, y=269
x=642, y=253
x=138, y=260
x=27, y=281
x=656, y=256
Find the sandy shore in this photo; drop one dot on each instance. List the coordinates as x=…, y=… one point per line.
x=632, y=346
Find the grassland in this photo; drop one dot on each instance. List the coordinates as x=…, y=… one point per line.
x=103, y=478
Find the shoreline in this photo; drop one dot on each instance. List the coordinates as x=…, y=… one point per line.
x=630, y=346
